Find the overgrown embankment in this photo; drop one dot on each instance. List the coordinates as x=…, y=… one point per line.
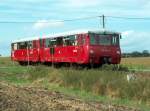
x=113, y=84
x=106, y=84
x=14, y=98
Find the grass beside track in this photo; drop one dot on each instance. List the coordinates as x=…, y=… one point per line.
x=101, y=84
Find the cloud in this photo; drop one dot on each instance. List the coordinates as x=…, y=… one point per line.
x=135, y=41
x=42, y=24
x=132, y=4
x=108, y=7
x=127, y=33
x=80, y=3
x=147, y=6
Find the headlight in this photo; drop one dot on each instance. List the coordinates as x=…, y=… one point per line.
x=12, y=53
x=91, y=52
x=118, y=52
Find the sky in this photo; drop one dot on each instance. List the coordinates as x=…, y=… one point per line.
x=44, y=17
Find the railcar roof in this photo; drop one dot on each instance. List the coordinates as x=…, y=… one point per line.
x=80, y=32
x=66, y=34
x=26, y=39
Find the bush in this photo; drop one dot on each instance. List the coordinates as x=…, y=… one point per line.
x=109, y=83
x=90, y=80
x=114, y=68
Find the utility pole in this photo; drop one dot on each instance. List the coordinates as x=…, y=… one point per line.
x=103, y=17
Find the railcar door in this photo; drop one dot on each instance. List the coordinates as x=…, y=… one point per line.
x=52, y=49
x=70, y=48
x=30, y=54
x=35, y=51
x=81, y=48
x=52, y=52
x=21, y=52
x=41, y=50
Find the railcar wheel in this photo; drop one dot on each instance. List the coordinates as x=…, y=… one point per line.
x=22, y=63
x=56, y=65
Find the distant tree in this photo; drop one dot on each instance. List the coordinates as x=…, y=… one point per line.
x=0, y=55
x=136, y=54
x=145, y=53
x=126, y=55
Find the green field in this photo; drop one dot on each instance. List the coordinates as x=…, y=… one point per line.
x=102, y=84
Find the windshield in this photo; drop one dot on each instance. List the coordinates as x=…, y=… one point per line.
x=99, y=39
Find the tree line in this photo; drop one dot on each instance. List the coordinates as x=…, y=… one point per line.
x=144, y=53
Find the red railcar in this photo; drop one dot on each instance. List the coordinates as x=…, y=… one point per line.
x=80, y=47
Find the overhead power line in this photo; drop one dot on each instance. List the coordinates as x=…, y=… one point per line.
x=102, y=18
x=51, y=21
x=78, y=19
x=135, y=18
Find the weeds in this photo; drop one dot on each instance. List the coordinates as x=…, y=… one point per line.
x=37, y=72
x=101, y=81
x=109, y=83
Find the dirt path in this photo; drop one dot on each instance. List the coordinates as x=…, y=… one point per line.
x=14, y=98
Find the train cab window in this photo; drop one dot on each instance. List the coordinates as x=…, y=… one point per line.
x=115, y=40
x=105, y=40
x=99, y=39
x=14, y=46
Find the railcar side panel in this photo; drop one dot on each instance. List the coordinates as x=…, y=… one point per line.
x=81, y=48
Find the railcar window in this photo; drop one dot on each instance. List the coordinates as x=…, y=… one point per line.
x=69, y=40
x=92, y=39
x=22, y=45
x=73, y=40
x=34, y=44
x=66, y=41
x=81, y=40
x=52, y=42
x=48, y=42
x=59, y=41
x=30, y=44
x=41, y=43
x=15, y=46
x=12, y=46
